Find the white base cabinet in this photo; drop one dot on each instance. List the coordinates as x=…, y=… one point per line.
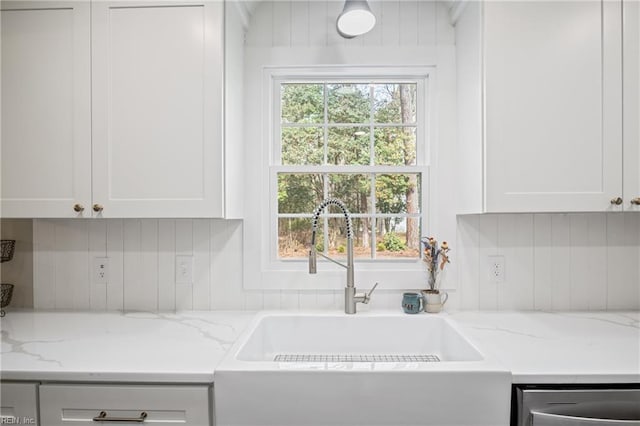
x=540, y=106
x=124, y=404
x=18, y=403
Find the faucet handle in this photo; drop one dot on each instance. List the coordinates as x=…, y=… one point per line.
x=367, y=296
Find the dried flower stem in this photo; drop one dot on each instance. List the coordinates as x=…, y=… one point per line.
x=435, y=258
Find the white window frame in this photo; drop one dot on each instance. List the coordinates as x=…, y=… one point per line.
x=275, y=273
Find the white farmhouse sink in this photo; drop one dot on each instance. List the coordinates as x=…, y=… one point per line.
x=364, y=369
x=355, y=335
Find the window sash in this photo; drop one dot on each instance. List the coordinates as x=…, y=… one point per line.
x=419, y=124
x=276, y=167
x=372, y=214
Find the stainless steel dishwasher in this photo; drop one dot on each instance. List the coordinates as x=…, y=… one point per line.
x=577, y=407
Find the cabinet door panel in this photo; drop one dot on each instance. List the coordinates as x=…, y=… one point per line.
x=19, y=403
x=46, y=125
x=169, y=405
x=553, y=106
x=631, y=76
x=157, y=109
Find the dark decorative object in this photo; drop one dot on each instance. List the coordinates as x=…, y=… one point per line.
x=6, y=292
x=8, y=247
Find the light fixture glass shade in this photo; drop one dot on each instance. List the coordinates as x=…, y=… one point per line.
x=356, y=19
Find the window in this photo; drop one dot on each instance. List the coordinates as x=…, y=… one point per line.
x=361, y=141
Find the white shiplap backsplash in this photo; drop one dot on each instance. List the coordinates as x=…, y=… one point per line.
x=141, y=256
x=553, y=262
x=584, y=261
x=141, y=274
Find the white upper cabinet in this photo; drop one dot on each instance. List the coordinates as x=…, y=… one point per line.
x=631, y=79
x=116, y=109
x=46, y=101
x=540, y=106
x=157, y=108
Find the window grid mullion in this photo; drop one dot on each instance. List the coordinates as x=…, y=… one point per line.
x=325, y=127
x=381, y=169
x=374, y=219
x=372, y=160
x=371, y=136
x=354, y=215
x=347, y=125
x=325, y=188
x=325, y=220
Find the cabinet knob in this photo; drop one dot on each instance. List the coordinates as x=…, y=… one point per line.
x=97, y=208
x=78, y=208
x=616, y=201
x=636, y=201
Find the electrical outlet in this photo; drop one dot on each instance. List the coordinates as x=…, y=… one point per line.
x=101, y=270
x=496, y=269
x=184, y=269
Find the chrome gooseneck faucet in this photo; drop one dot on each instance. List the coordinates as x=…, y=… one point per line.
x=350, y=295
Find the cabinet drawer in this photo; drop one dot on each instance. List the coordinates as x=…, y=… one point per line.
x=19, y=405
x=79, y=405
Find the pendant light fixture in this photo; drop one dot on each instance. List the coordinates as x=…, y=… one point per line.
x=356, y=19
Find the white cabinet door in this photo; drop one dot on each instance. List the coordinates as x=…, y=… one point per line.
x=631, y=78
x=553, y=104
x=167, y=405
x=157, y=108
x=46, y=101
x=18, y=404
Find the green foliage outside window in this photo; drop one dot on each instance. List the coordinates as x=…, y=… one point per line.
x=363, y=125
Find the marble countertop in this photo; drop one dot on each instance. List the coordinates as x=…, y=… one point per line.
x=132, y=347
x=559, y=347
x=591, y=347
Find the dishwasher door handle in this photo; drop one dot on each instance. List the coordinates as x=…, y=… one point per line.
x=548, y=419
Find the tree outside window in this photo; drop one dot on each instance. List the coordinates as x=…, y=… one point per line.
x=356, y=141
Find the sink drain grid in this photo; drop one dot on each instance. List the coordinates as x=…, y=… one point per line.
x=354, y=358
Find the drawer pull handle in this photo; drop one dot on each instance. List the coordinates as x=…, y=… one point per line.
x=102, y=417
x=550, y=419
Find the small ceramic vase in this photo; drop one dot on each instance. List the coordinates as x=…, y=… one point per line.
x=434, y=300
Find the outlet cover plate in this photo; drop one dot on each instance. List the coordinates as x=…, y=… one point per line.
x=496, y=269
x=101, y=270
x=184, y=269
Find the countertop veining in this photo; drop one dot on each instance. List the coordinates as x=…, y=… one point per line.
x=133, y=347
x=560, y=347
x=185, y=347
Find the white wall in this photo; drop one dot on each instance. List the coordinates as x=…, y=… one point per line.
x=302, y=34
x=307, y=23
x=555, y=261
